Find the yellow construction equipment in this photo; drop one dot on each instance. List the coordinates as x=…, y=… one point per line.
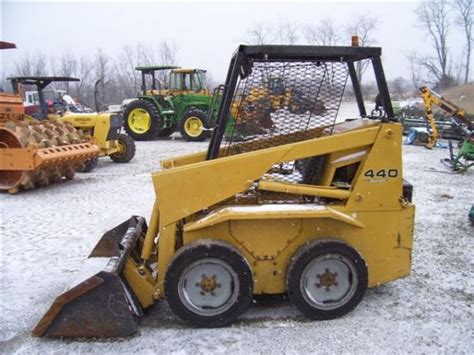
x=314, y=208
x=430, y=99
x=37, y=153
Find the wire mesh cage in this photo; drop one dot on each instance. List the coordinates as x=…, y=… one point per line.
x=281, y=102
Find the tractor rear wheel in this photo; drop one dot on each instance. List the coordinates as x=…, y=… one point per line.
x=127, y=145
x=326, y=279
x=142, y=120
x=194, y=125
x=208, y=283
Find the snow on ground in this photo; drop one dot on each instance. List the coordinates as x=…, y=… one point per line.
x=47, y=234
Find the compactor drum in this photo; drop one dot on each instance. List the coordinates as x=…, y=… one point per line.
x=310, y=206
x=36, y=153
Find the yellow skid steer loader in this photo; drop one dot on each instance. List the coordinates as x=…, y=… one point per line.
x=314, y=207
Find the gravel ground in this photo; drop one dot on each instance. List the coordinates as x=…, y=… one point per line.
x=47, y=234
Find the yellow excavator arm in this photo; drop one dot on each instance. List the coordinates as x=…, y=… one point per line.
x=431, y=98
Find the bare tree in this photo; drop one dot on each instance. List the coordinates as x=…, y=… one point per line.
x=287, y=32
x=125, y=73
x=363, y=26
x=433, y=18
x=84, y=89
x=464, y=9
x=32, y=65
x=101, y=69
x=168, y=53
x=323, y=34
x=414, y=71
x=260, y=34
x=67, y=67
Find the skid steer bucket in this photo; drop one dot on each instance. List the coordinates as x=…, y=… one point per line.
x=101, y=304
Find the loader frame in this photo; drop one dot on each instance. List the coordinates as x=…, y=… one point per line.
x=359, y=203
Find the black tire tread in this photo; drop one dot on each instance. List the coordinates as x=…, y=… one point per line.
x=129, y=153
x=303, y=256
x=216, y=249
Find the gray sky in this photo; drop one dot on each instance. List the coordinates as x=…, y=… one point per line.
x=206, y=34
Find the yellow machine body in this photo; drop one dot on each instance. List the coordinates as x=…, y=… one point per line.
x=309, y=206
x=370, y=215
x=96, y=126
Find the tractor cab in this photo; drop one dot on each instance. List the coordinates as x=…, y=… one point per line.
x=275, y=85
x=188, y=81
x=155, y=82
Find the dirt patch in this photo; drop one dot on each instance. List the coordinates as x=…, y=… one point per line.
x=462, y=95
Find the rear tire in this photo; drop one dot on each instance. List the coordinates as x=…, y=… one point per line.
x=193, y=125
x=142, y=120
x=208, y=284
x=326, y=279
x=128, y=149
x=90, y=164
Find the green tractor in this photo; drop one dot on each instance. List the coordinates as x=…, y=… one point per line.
x=178, y=102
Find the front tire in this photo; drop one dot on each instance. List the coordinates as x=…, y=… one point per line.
x=326, y=279
x=194, y=125
x=127, y=145
x=208, y=284
x=142, y=120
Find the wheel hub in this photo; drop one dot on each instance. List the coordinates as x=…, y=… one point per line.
x=208, y=284
x=193, y=126
x=327, y=279
x=139, y=120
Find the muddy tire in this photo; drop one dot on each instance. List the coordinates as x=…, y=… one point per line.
x=142, y=120
x=208, y=284
x=90, y=165
x=326, y=279
x=128, y=149
x=194, y=125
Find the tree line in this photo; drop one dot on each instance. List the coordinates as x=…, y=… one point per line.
x=435, y=65
x=118, y=78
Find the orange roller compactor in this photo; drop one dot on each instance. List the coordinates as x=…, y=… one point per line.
x=36, y=153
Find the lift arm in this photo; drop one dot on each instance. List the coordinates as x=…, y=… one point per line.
x=431, y=98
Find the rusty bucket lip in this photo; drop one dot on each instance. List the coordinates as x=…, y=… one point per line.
x=70, y=295
x=125, y=236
